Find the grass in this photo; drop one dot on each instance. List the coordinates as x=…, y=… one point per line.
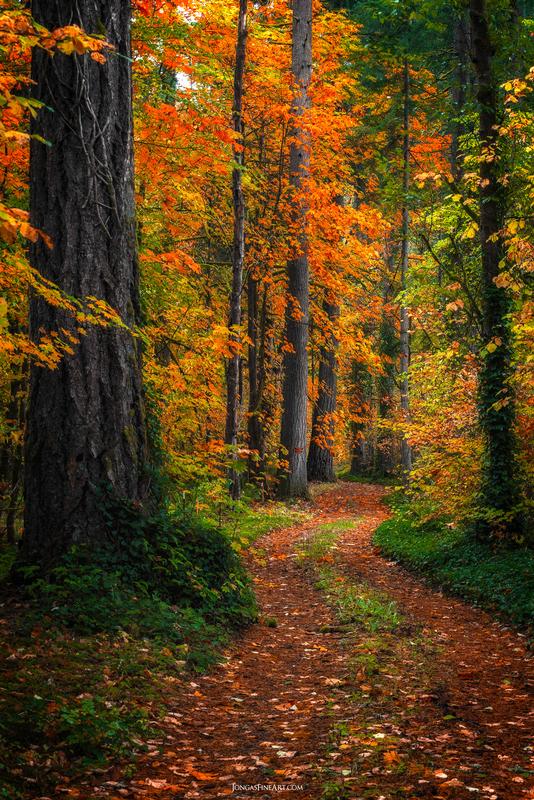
x=354, y=603
x=497, y=579
x=247, y=523
x=345, y=474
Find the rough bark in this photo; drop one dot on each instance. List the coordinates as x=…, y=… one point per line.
x=86, y=421
x=406, y=452
x=498, y=498
x=295, y=382
x=320, y=454
x=233, y=367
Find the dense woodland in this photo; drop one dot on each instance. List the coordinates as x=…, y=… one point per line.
x=333, y=250
x=248, y=248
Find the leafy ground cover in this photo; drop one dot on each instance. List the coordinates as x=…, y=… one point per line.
x=497, y=579
x=86, y=664
x=358, y=682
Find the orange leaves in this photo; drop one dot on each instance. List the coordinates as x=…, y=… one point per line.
x=71, y=39
x=201, y=776
x=14, y=221
x=176, y=261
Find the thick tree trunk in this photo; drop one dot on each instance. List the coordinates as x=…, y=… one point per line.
x=386, y=448
x=320, y=454
x=295, y=383
x=233, y=368
x=406, y=451
x=86, y=421
x=500, y=476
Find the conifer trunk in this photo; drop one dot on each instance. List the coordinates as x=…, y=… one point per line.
x=86, y=422
x=320, y=455
x=295, y=383
x=498, y=497
x=233, y=369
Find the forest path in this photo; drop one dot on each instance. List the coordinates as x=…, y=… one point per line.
x=435, y=708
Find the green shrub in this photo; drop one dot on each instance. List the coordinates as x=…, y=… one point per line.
x=499, y=579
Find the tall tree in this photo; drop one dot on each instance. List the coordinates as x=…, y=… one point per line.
x=295, y=382
x=499, y=493
x=406, y=451
x=86, y=419
x=233, y=369
x=320, y=455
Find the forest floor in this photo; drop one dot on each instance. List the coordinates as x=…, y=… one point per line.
x=359, y=682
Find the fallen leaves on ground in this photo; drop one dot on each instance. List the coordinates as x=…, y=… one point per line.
x=444, y=713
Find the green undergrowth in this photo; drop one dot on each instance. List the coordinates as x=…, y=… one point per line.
x=91, y=650
x=346, y=475
x=497, y=579
x=246, y=523
x=71, y=703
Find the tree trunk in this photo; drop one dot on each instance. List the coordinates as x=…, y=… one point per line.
x=295, y=384
x=254, y=425
x=498, y=498
x=459, y=90
x=362, y=456
x=233, y=369
x=11, y=456
x=406, y=451
x=86, y=419
x=320, y=454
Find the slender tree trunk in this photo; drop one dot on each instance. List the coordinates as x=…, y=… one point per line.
x=361, y=391
x=406, y=451
x=459, y=89
x=320, y=454
x=254, y=420
x=500, y=477
x=386, y=448
x=86, y=419
x=233, y=369
x=295, y=383
x=11, y=457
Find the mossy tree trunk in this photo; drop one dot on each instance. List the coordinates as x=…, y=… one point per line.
x=499, y=495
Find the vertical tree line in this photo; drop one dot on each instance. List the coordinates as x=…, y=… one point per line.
x=233, y=369
x=500, y=479
x=293, y=435
x=86, y=419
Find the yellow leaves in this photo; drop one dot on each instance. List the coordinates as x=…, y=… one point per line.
x=514, y=226
x=471, y=231
x=71, y=40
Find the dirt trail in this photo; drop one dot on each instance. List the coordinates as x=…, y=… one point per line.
x=266, y=714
